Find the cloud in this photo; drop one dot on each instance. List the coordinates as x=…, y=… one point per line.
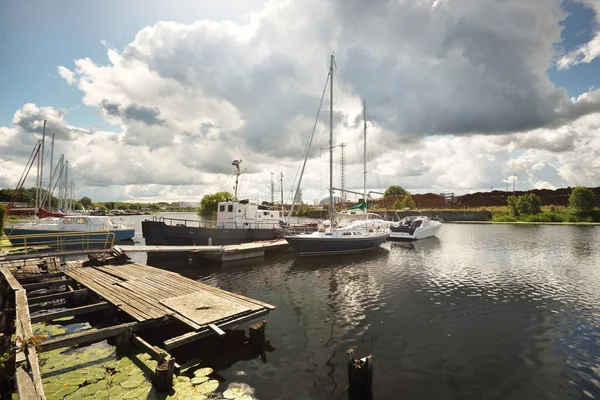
x=587, y=52
x=457, y=95
x=30, y=119
x=67, y=75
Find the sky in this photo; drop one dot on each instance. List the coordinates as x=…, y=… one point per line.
x=153, y=100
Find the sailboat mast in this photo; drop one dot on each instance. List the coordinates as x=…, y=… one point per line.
x=51, y=172
x=42, y=166
x=365, y=158
x=331, y=203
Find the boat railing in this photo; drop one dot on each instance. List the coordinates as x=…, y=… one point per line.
x=59, y=242
x=215, y=224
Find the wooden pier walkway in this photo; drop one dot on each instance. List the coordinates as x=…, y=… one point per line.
x=217, y=253
x=134, y=296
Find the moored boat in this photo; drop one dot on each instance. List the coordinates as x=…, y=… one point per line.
x=91, y=227
x=414, y=227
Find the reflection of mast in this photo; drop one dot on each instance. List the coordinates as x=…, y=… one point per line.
x=237, y=172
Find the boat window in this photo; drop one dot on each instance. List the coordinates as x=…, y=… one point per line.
x=230, y=208
x=239, y=210
x=328, y=234
x=346, y=233
x=82, y=220
x=222, y=208
x=265, y=213
x=67, y=220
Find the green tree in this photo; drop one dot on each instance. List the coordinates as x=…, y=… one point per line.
x=395, y=190
x=582, y=200
x=513, y=202
x=529, y=203
x=86, y=201
x=408, y=202
x=209, y=203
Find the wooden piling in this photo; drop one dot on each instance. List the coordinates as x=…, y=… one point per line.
x=257, y=333
x=123, y=343
x=360, y=373
x=163, y=376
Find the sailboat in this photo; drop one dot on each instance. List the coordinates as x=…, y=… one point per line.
x=352, y=237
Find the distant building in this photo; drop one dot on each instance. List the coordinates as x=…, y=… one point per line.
x=189, y=204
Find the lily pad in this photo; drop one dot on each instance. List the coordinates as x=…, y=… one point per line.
x=198, y=380
x=101, y=394
x=132, y=383
x=183, y=379
x=115, y=390
x=90, y=390
x=208, y=386
x=203, y=372
x=136, y=393
x=197, y=397
x=65, y=391
x=75, y=381
x=234, y=393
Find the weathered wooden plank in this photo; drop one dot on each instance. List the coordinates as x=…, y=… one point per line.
x=190, y=337
x=37, y=278
x=151, y=309
x=24, y=319
x=70, y=312
x=47, y=284
x=106, y=289
x=232, y=297
x=86, y=337
x=25, y=388
x=55, y=296
x=155, y=352
x=216, y=329
x=12, y=281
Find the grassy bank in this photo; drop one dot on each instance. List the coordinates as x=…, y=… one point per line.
x=548, y=214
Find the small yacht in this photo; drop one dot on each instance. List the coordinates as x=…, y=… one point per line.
x=415, y=227
x=68, y=225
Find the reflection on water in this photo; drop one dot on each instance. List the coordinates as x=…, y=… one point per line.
x=482, y=311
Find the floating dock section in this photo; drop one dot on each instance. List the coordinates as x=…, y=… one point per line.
x=134, y=297
x=232, y=252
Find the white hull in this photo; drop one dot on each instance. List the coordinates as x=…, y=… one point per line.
x=414, y=228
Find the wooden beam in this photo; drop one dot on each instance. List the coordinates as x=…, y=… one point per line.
x=12, y=281
x=86, y=337
x=47, y=284
x=24, y=319
x=155, y=352
x=25, y=388
x=193, y=336
x=37, y=278
x=216, y=329
x=70, y=312
x=55, y=296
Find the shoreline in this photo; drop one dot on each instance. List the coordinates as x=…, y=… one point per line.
x=520, y=223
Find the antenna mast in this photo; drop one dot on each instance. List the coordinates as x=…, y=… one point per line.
x=272, y=187
x=237, y=172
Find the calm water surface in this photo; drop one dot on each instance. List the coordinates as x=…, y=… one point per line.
x=482, y=311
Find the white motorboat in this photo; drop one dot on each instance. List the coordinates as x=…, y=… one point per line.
x=415, y=227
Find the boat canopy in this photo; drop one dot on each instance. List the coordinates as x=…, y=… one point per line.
x=361, y=206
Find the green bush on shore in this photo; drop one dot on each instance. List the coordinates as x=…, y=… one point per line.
x=2, y=216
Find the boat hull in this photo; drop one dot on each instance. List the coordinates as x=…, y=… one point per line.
x=157, y=233
x=308, y=245
x=70, y=239
x=417, y=234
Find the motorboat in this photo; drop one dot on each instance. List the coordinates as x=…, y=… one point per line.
x=342, y=235
x=415, y=227
x=91, y=227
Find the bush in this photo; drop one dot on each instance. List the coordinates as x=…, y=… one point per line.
x=582, y=200
x=397, y=205
x=408, y=202
x=527, y=204
x=2, y=216
x=504, y=218
x=513, y=202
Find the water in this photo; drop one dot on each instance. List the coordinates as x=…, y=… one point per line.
x=482, y=311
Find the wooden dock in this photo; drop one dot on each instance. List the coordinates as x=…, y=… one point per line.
x=223, y=253
x=134, y=297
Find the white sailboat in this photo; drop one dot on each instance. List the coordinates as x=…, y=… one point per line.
x=357, y=235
